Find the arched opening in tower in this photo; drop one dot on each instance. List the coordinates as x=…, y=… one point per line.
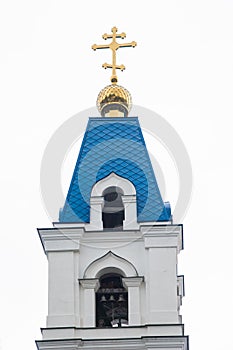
x=113, y=209
x=111, y=302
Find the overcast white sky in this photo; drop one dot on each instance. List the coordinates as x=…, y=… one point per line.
x=182, y=69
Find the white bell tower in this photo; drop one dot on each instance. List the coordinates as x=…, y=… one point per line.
x=112, y=257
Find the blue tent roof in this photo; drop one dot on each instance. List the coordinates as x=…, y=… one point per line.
x=114, y=145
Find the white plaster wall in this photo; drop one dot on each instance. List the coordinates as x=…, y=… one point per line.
x=61, y=296
x=161, y=285
x=153, y=256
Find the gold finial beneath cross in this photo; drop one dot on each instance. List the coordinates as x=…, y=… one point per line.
x=114, y=45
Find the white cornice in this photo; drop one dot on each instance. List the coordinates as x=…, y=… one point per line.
x=70, y=238
x=60, y=240
x=163, y=236
x=142, y=337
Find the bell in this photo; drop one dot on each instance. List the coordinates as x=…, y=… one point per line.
x=121, y=298
x=111, y=298
x=103, y=299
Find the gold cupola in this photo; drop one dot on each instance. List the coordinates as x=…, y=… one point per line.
x=114, y=100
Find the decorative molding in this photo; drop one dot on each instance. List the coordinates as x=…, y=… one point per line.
x=163, y=236
x=132, y=281
x=110, y=262
x=61, y=239
x=119, y=341
x=89, y=283
x=113, y=180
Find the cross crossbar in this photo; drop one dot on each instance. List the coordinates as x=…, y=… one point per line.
x=114, y=46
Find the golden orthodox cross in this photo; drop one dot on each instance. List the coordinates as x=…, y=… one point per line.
x=114, y=46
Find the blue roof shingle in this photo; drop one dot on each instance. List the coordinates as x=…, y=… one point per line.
x=114, y=145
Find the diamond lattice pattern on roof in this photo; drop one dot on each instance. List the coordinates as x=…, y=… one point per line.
x=113, y=145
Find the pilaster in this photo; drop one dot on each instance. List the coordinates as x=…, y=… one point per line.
x=134, y=298
x=89, y=285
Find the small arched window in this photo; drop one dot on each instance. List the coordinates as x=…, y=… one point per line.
x=111, y=302
x=113, y=210
x=113, y=204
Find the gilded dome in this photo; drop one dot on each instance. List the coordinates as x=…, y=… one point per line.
x=114, y=98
